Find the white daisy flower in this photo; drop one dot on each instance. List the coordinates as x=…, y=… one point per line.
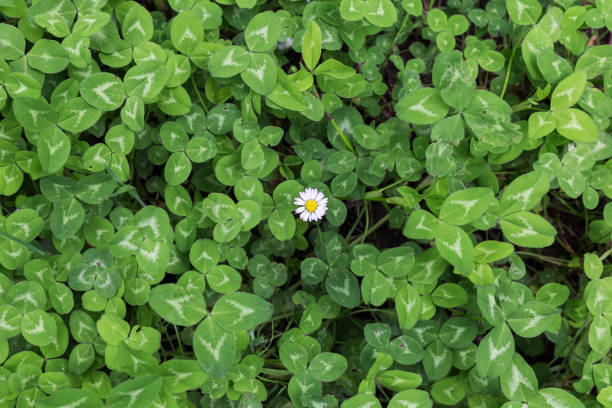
x=312, y=205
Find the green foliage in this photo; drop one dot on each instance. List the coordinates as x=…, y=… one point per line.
x=452, y=160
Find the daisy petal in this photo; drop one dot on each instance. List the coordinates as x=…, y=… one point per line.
x=319, y=196
x=299, y=201
x=304, y=216
x=300, y=210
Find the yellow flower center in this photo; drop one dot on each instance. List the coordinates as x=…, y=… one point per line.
x=311, y=206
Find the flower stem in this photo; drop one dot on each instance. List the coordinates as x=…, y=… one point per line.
x=320, y=235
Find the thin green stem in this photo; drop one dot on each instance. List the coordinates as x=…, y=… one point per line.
x=20, y=242
x=399, y=32
x=367, y=225
x=274, y=372
x=401, y=28
x=334, y=124
x=380, y=190
x=178, y=338
x=354, y=312
x=526, y=105
x=516, y=46
x=359, y=215
x=283, y=316
x=271, y=381
x=320, y=235
x=606, y=254
x=342, y=136
x=195, y=87
x=372, y=230
x=549, y=259
x=425, y=183
x=566, y=204
x=131, y=191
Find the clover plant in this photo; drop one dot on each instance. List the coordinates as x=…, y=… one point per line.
x=305, y=203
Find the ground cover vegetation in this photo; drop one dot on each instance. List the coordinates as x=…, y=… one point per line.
x=317, y=204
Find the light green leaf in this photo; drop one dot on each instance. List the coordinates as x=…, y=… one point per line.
x=381, y=13
x=262, y=32
x=38, y=328
x=553, y=294
x=421, y=224
x=491, y=251
x=568, y=91
x=178, y=169
x=343, y=288
x=112, y=329
x=311, y=45
x=137, y=25
x=449, y=295
x=327, y=366
x=540, y=124
x=437, y=360
x=575, y=125
x=71, y=396
x=408, y=398
x=532, y=319
x=241, y=311
x=600, y=337
x=408, y=306
x=555, y=398
x=287, y=95
x=294, y=357
x=134, y=393
x=465, y=206
x=103, y=91
x=48, y=56
x=228, y=61
x=214, y=347
x=335, y=69
x=495, y=352
x=186, y=32
x=261, y=73
x=34, y=114
x=399, y=380
x=174, y=101
x=527, y=229
x=448, y=391
x=437, y=20
x=361, y=401
x=146, y=80
x=524, y=192
x=524, y=12
x=177, y=305
x=224, y=279
x=519, y=382
x=282, y=224
x=13, y=42
x=422, y=107
x=455, y=246
x=67, y=218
